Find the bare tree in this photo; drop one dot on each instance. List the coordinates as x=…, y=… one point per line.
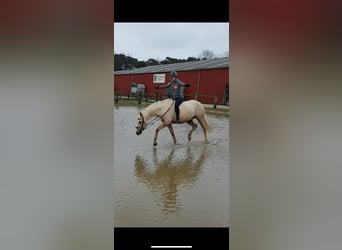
x=207, y=54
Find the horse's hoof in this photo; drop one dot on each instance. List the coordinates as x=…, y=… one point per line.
x=155, y=144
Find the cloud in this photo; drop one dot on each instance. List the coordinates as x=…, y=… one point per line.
x=176, y=40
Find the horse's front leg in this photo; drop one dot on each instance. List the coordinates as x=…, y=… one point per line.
x=172, y=133
x=163, y=125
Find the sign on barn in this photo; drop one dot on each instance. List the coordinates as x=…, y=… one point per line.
x=158, y=78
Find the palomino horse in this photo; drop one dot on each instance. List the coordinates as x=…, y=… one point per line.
x=165, y=110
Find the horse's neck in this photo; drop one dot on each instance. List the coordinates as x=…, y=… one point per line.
x=147, y=115
x=150, y=111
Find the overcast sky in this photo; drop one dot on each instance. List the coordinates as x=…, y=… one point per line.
x=177, y=40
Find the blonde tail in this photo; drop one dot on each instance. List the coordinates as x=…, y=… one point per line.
x=206, y=125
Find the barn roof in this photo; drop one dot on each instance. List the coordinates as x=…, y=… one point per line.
x=216, y=63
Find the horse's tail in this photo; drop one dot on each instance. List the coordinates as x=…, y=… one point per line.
x=206, y=125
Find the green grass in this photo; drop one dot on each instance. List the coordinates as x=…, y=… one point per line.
x=217, y=110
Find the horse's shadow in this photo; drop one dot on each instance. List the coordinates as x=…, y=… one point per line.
x=169, y=175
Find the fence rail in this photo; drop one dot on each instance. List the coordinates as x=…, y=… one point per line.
x=153, y=97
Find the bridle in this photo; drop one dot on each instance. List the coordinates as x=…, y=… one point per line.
x=143, y=124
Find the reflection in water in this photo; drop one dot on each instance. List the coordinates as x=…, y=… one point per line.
x=169, y=175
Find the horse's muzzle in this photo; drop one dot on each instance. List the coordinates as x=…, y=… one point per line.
x=138, y=132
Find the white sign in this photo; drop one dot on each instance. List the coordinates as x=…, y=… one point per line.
x=158, y=78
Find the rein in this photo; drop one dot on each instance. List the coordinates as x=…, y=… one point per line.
x=156, y=117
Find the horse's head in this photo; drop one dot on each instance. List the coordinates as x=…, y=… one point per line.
x=141, y=125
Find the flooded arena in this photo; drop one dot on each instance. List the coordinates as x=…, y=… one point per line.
x=170, y=185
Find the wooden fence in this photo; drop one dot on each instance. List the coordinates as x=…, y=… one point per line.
x=153, y=97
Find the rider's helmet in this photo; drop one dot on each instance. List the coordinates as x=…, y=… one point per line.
x=173, y=74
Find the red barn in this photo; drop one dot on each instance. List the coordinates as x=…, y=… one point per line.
x=208, y=78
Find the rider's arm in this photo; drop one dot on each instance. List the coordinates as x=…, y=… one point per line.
x=164, y=86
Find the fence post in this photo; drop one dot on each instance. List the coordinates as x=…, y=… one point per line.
x=139, y=97
x=157, y=96
x=116, y=98
x=215, y=101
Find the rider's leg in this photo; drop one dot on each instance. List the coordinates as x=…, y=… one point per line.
x=177, y=103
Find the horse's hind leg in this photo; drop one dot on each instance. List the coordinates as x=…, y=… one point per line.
x=204, y=130
x=193, y=127
x=172, y=133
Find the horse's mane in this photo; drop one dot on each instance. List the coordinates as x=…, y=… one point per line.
x=166, y=100
x=154, y=104
x=151, y=109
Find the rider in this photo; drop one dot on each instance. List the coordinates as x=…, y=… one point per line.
x=175, y=91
